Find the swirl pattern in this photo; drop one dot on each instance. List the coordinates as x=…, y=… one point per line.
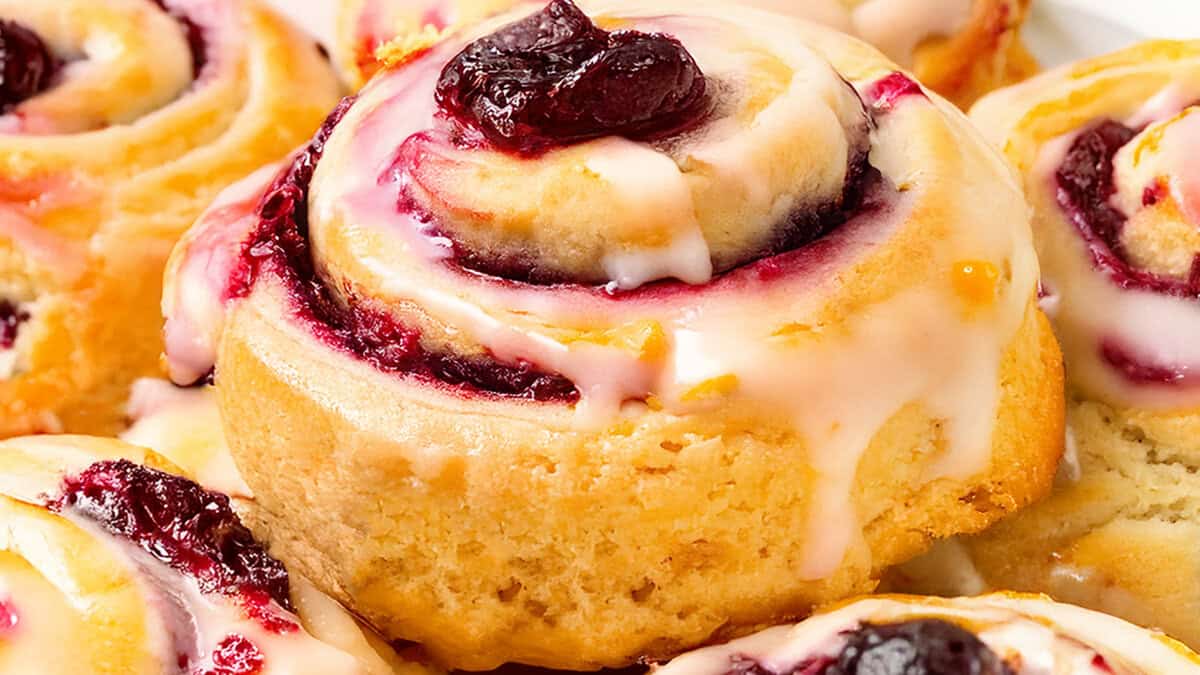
x=141, y=571
x=121, y=120
x=673, y=334
x=1105, y=147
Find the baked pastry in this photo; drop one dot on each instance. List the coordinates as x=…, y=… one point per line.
x=120, y=120
x=1002, y=634
x=1105, y=148
x=565, y=380
x=136, y=570
x=960, y=48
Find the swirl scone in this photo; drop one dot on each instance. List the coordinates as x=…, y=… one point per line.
x=1108, y=148
x=120, y=120
x=111, y=565
x=960, y=48
x=1001, y=634
x=562, y=346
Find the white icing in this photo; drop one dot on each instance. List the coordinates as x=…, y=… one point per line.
x=184, y=425
x=1069, y=469
x=199, y=273
x=1034, y=635
x=897, y=27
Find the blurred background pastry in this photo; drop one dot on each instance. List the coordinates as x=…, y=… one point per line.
x=960, y=48
x=120, y=120
x=573, y=379
x=1106, y=148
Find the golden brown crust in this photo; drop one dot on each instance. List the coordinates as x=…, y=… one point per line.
x=574, y=550
x=985, y=55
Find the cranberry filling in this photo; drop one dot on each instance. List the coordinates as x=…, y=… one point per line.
x=236, y=655
x=885, y=93
x=556, y=78
x=1085, y=186
x=921, y=647
x=27, y=65
x=179, y=523
x=11, y=318
x=281, y=243
x=10, y=619
x=194, y=33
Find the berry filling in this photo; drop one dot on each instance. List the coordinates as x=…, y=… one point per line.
x=281, y=243
x=10, y=619
x=922, y=647
x=194, y=33
x=885, y=93
x=11, y=318
x=235, y=656
x=27, y=65
x=1085, y=187
x=176, y=521
x=555, y=78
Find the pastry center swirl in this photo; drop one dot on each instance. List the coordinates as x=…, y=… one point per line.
x=27, y=65
x=1131, y=191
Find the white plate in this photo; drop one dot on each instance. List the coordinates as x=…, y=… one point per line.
x=1059, y=30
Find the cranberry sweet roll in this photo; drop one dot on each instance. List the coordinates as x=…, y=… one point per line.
x=120, y=120
x=992, y=635
x=571, y=335
x=112, y=565
x=1108, y=149
x=960, y=48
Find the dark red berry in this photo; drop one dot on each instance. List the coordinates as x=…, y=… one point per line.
x=27, y=65
x=10, y=619
x=236, y=655
x=923, y=647
x=885, y=93
x=555, y=78
x=11, y=318
x=180, y=523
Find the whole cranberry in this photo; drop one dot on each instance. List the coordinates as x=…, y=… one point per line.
x=27, y=66
x=556, y=78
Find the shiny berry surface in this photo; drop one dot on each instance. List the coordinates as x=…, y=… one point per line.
x=11, y=318
x=26, y=64
x=923, y=647
x=179, y=523
x=555, y=78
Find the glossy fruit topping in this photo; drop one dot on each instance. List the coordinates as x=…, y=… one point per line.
x=26, y=64
x=11, y=318
x=180, y=523
x=922, y=647
x=556, y=78
x=10, y=618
